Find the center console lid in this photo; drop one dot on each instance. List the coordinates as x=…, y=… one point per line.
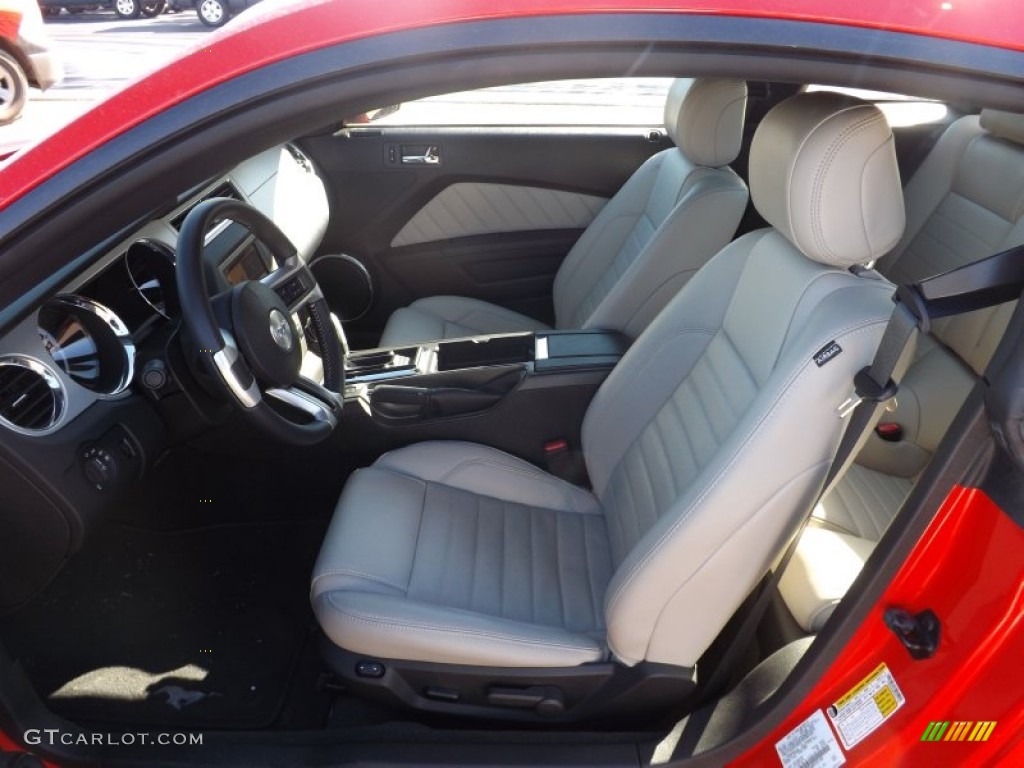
x=559, y=350
x=460, y=377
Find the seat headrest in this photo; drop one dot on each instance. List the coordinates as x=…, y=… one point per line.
x=1005, y=125
x=704, y=117
x=823, y=172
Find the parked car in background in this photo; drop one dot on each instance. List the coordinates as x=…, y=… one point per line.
x=125, y=9
x=215, y=13
x=26, y=57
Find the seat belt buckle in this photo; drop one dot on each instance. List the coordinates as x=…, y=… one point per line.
x=866, y=388
x=849, y=405
x=554, y=447
x=565, y=462
x=889, y=431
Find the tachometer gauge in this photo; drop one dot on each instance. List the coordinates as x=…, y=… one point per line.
x=151, y=268
x=88, y=342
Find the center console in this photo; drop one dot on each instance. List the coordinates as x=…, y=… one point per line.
x=518, y=392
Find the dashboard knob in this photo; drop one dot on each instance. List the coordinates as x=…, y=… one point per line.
x=96, y=472
x=154, y=375
x=99, y=466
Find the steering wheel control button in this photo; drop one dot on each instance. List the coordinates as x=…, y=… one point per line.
x=372, y=669
x=291, y=291
x=281, y=330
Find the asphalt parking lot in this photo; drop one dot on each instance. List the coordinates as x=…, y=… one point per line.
x=101, y=54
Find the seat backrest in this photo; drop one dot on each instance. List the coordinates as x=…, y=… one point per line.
x=712, y=436
x=965, y=202
x=672, y=215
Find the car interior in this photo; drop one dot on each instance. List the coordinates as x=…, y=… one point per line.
x=402, y=432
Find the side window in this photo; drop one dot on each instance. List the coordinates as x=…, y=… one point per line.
x=902, y=111
x=624, y=101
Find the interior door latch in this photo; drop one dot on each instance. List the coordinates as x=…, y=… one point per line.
x=919, y=633
x=430, y=155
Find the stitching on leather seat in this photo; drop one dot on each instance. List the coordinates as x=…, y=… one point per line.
x=359, y=575
x=536, y=475
x=786, y=391
x=822, y=171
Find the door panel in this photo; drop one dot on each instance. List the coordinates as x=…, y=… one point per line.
x=469, y=208
x=492, y=218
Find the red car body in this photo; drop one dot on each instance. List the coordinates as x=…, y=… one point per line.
x=281, y=32
x=967, y=565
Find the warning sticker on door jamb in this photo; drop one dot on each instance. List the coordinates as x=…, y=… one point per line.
x=866, y=707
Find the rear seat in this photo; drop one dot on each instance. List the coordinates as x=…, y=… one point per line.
x=965, y=202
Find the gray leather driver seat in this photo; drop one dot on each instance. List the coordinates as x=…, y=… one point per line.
x=704, y=446
x=672, y=215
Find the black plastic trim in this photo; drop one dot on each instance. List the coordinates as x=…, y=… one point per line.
x=604, y=690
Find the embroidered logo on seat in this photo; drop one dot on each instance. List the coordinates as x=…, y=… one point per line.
x=826, y=353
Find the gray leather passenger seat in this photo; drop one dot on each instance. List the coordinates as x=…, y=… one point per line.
x=965, y=202
x=672, y=215
x=455, y=553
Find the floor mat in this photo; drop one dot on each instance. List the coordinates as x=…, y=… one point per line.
x=182, y=630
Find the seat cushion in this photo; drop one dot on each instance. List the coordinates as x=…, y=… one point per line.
x=820, y=572
x=452, y=317
x=864, y=502
x=457, y=553
x=843, y=531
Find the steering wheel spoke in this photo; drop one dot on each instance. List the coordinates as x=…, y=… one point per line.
x=320, y=407
x=294, y=283
x=237, y=376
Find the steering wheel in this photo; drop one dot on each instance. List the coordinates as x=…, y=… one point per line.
x=247, y=336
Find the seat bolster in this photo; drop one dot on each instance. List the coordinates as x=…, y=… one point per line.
x=371, y=546
x=390, y=626
x=452, y=317
x=820, y=572
x=488, y=472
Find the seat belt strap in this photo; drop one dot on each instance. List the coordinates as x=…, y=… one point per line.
x=986, y=283
x=873, y=387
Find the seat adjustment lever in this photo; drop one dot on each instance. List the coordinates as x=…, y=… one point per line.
x=545, y=700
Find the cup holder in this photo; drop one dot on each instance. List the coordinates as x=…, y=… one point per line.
x=385, y=364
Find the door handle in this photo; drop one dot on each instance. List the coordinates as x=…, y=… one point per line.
x=431, y=156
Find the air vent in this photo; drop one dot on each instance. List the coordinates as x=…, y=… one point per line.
x=31, y=396
x=224, y=190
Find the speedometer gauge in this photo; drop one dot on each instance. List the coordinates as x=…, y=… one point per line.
x=88, y=342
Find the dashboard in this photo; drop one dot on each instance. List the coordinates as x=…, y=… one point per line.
x=80, y=347
x=89, y=381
